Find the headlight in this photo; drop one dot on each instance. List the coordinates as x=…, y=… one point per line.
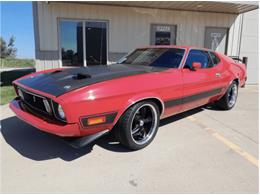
x=20, y=93
x=61, y=112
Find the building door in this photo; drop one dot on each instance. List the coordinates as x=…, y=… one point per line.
x=216, y=39
x=163, y=34
x=83, y=43
x=96, y=43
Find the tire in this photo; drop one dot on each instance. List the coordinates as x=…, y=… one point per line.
x=228, y=101
x=138, y=126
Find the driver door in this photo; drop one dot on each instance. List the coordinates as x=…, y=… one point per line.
x=201, y=84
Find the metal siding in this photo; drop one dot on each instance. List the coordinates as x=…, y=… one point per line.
x=249, y=45
x=235, y=36
x=128, y=27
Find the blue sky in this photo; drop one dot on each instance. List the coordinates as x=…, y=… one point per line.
x=17, y=20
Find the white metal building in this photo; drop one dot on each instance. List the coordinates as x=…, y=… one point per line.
x=88, y=33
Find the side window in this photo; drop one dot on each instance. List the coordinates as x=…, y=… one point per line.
x=214, y=58
x=198, y=56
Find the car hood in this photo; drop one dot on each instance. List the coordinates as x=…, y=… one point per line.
x=65, y=80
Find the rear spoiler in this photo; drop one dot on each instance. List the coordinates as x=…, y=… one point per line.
x=243, y=60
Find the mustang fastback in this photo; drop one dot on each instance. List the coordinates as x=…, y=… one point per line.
x=128, y=97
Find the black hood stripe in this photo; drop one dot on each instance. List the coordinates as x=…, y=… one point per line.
x=60, y=82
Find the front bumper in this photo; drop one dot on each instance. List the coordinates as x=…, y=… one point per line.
x=64, y=130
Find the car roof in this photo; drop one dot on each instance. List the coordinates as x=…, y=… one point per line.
x=174, y=46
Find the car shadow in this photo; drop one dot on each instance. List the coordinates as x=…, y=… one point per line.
x=39, y=146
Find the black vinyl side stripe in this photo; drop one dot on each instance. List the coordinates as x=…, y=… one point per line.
x=109, y=119
x=191, y=98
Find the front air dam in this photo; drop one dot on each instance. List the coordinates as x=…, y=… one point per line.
x=83, y=141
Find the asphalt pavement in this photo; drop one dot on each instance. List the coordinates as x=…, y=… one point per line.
x=201, y=151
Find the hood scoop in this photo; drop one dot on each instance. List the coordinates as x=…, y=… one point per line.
x=80, y=76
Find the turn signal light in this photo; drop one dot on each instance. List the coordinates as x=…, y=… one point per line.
x=96, y=120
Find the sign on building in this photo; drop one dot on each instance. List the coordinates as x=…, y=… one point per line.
x=163, y=34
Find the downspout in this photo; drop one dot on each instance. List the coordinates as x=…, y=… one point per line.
x=240, y=37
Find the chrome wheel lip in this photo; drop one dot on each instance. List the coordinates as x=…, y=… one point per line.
x=232, y=95
x=152, y=128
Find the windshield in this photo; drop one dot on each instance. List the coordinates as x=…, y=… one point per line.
x=159, y=57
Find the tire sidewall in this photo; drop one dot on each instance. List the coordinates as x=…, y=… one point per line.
x=226, y=95
x=127, y=130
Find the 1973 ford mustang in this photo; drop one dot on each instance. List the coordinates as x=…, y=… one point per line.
x=129, y=97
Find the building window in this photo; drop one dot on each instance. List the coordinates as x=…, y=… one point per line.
x=71, y=43
x=83, y=43
x=96, y=43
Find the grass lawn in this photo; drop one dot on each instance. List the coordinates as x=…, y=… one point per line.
x=17, y=63
x=7, y=94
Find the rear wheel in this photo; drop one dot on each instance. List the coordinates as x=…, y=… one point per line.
x=138, y=125
x=228, y=101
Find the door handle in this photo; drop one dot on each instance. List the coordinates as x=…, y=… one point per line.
x=218, y=75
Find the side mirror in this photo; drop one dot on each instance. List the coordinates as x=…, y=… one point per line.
x=196, y=65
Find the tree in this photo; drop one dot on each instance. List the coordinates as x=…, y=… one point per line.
x=8, y=50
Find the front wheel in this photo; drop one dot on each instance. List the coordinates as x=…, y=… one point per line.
x=138, y=126
x=228, y=101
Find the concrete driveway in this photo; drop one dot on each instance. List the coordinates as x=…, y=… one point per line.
x=201, y=151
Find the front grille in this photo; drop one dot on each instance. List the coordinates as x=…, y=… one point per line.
x=35, y=101
x=49, y=118
x=39, y=105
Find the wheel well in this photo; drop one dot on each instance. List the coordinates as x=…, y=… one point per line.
x=157, y=102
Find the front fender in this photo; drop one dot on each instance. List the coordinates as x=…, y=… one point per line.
x=137, y=98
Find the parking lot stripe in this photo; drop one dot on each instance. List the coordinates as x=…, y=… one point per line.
x=227, y=142
x=237, y=149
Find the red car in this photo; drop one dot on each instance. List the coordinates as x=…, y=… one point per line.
x=130, y=96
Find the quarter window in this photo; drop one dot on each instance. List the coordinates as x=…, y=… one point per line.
x=214, y=58
x=198, y=56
